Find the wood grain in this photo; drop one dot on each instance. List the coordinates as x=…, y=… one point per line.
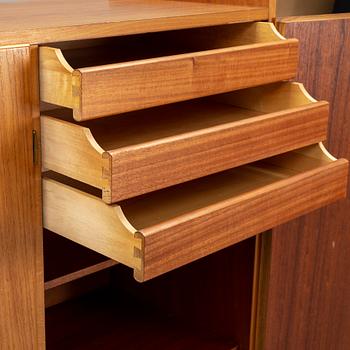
x=59, y=139
x=167, y=229
x=115, y=235
x=182, y=242
x=263, y=3
x=271, y=4
x=21, y=258
x=42, y=21
x=211, y=152
x=143, y=151
x=100, y=91
x=309, y=274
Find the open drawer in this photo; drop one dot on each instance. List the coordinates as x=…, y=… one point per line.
x=101, y=78
x=163, y=230
x=148, y=150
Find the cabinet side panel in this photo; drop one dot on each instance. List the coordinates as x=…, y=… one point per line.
x=309, y=289
x=21, y=267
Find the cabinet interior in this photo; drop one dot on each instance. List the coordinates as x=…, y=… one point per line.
x=182, y=309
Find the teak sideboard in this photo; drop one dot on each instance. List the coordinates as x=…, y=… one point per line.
x=146, y=146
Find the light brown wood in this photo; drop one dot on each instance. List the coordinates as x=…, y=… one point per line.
x=61, y=139
x=21, y=256
x=79, y=274
x=117, y=239
x=269, y=98
x=249, y=55
x=145, y=151
x=264, y=3
x=39, y=21
x=271, y=4
x=167, y=229
x=272, y=10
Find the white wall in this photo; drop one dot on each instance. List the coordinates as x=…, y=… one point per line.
x=303, y=7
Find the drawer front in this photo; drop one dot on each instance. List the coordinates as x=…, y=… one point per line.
x=104, y=90
x=196, y=235
x=167, y=229
x=184, y=143
x=148, y=84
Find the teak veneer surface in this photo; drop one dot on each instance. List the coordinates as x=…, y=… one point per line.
x=140, y=152
x=271, y=4
x=40, y=21
x=21, y=265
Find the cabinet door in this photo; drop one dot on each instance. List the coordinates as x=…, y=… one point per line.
x=21, y=267
x=309, y=280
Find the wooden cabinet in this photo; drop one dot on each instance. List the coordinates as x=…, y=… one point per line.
x=169, y=139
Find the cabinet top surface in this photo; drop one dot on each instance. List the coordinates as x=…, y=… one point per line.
x=39, y=21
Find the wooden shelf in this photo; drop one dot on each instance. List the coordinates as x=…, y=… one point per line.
x=107, y=263
x=76, y=256
x=79, y=261
x=52, y=21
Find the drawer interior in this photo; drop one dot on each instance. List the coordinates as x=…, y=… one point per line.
x=167, y=204
x=154, y=208
x=144, y=46
x=154, y=124
x=147, y=126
